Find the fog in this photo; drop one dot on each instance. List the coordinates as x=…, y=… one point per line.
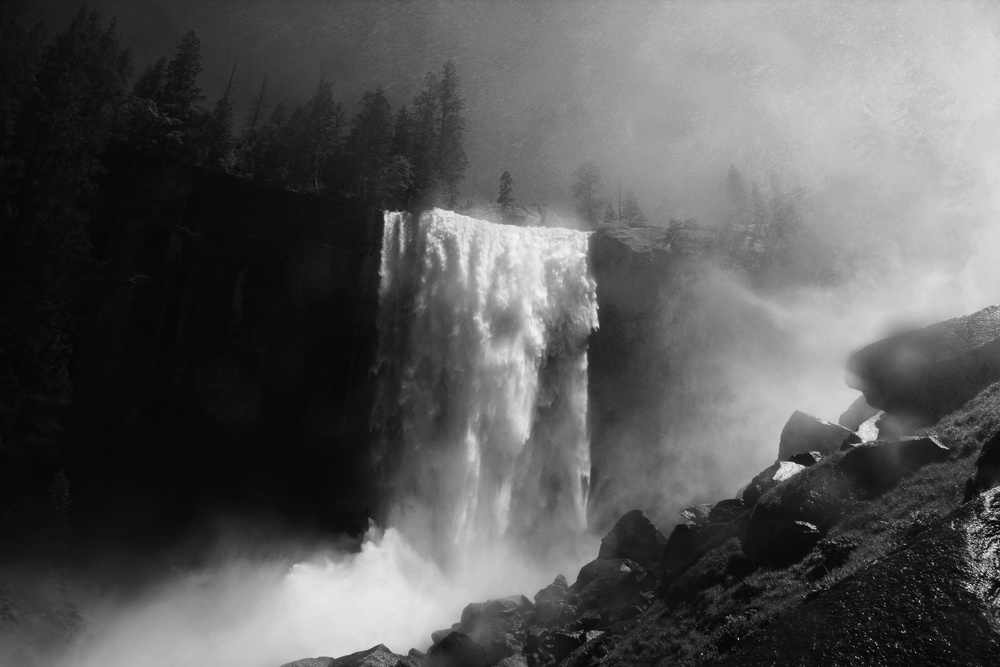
x=884, y=118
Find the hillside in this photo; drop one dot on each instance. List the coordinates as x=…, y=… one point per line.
x=861, y=548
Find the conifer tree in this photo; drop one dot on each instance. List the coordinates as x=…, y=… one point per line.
x=370, y=146
x=181, y=95
x=586, y=192
x=506, y=196
x=632, y=214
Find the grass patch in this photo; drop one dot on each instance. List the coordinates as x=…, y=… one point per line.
x=719, y=610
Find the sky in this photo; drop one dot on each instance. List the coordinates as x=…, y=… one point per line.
x=665, y=95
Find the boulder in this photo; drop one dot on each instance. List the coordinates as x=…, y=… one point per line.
x=456, y=650
x=727, y=511
x=878, y=466
x=868, y=430
x=493, y=625
x=931, y=603
x=609, y=585
x=988, y=465
x=768, y=479
x=376, y=656
x=806, y=458
x=697, y=514
x=633, y=537
x=806, y=433
x=857, y=414
x=554, y=592
x=924, y=374
x=779, y=541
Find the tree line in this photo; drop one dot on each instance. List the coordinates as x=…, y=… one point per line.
x=413, y=157
x=71, y=114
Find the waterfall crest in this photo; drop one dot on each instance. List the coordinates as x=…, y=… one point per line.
x=482, y=390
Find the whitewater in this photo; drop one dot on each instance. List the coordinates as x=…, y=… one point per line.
x=480, y=443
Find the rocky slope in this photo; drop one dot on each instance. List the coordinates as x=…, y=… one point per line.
x=859, y=546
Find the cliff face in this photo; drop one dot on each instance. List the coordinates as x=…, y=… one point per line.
x=227, y=365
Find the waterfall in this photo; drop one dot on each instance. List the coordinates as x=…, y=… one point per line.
x=482, y=379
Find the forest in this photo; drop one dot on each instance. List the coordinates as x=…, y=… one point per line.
x=78, y=119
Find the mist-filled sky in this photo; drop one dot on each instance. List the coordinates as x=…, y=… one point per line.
x=859, y=101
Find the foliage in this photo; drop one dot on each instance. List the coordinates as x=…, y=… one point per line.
x=61, y=107
x=586, y=193
x=632, y=214
x=505, y=198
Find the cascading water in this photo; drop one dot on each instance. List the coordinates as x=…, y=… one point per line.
x=482, y=391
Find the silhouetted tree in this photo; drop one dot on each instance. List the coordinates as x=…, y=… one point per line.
x=149, y=85
x=632, y=214
x=610, y=215
x=506, y=196
x=60, y=109
x=181, y=95
x=369, y=147
x=452, y=160
x=220, y=136
x=314, y=135
x=586, y=192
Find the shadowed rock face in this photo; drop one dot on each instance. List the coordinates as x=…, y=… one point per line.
x=933, y=603
x=924, y=374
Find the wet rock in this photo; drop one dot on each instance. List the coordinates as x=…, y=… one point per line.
x=806, y=433
x=697, y=514
x=806, y=458
x=924, y=374
x=554, y=592
x=494, y=624
x=879, y=466
x=779, y=541
x=456, y=650
x=931, y=603
x=768, y=479
x=727, y=511
x=634, y=537
x=377, y=656
x=857, y=414
x=987, y=466
x=612, y=584
x=561, y=644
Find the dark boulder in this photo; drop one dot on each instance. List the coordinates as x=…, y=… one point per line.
x=456, y=650
x=768, y=479
x=857, y=414
x=805, y=433
x=988, y=465
x=806, y=458
x=931, y=603
x=633, y=537
x=779, y=541
x=494, y=625
x=879, y=466
x=924, y=374
x=609, y=585
x=556, y=591
x=697, y=514
x=377, y=656
x=727, y=511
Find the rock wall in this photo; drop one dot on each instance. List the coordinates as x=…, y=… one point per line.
x=226, y=363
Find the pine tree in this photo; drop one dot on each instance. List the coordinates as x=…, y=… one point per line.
x=610, y=215
x=221, y=142
x=586, y=192
x=313, y=134
x=632, y=214
x=181, y=95
x=370, y=146
x=149, y=85
x=506, y=197
x=452, y=160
